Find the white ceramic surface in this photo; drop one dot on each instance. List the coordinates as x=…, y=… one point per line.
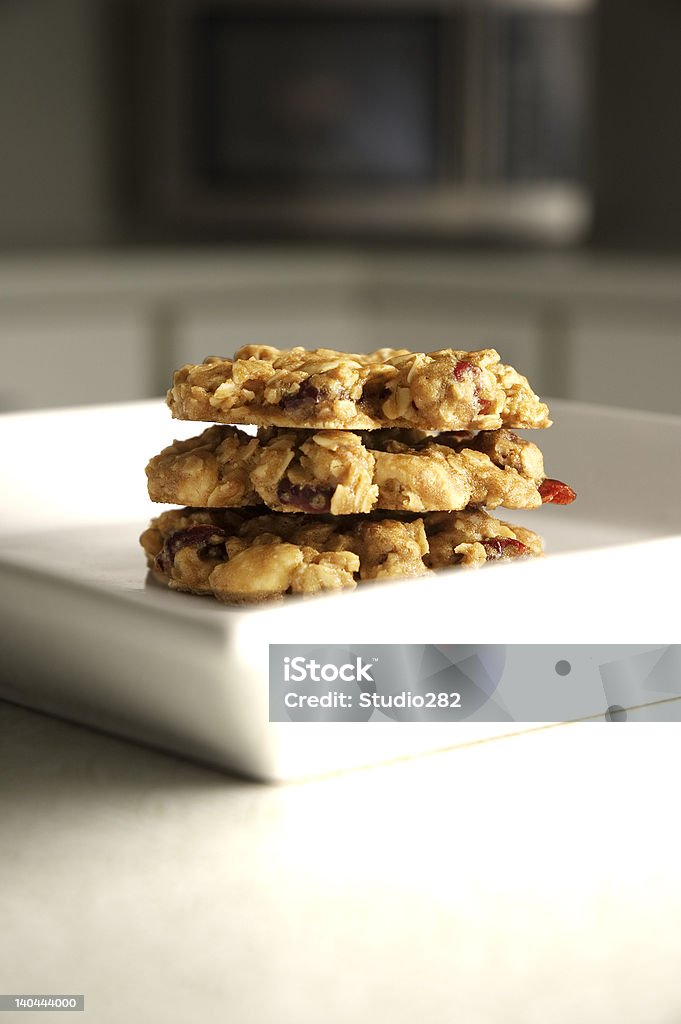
x=85, y=635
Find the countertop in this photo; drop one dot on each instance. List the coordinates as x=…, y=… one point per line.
x=524, y=880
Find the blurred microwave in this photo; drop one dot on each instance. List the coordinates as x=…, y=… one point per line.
x=389, y=118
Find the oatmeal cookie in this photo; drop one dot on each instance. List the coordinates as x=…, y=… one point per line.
x=325, y=389
x=249, y=556
x=345, y=472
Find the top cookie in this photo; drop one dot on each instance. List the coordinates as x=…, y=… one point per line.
x=325, y=389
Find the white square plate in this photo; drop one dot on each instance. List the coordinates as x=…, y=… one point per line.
x=87, y=636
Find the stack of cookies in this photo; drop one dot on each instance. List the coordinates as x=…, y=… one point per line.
x=363, y=467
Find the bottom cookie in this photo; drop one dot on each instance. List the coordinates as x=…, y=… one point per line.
x=243, y=556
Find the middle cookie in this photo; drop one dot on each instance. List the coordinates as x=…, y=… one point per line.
x=345, y=472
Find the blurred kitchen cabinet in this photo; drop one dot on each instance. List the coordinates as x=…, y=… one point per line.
x=109, y=329
x=355, y=326
x=69, y=355
x=513, y=333
x=631, y=359
x=311, y=320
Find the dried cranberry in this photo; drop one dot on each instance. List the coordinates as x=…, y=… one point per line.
x=306, y=395
x=208, y=539
x=306, y=497
x=374, y=394
x=556, y=492
x=464, y=369
x=503, y=547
